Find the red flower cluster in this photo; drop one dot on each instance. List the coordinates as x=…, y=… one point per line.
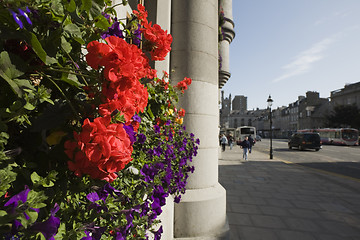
x=158, y=41
x=181, y=112
x=124, y=64
x=182, y=85
x=103, y=148
x=100, y=150
x=141, y=14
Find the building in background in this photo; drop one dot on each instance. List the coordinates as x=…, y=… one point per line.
x=309, y=111
x=348, y=95
x=239, y=103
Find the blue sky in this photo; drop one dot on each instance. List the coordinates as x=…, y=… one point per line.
x=288, y=47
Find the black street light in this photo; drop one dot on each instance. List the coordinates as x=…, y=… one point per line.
x=270, y=101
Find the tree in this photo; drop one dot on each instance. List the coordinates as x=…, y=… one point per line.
x=344, y=116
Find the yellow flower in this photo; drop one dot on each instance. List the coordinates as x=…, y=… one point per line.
x=55, y=137
x=170, y=112
x=179, y=120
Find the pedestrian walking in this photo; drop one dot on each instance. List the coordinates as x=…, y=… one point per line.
x=252, y=142
x=223, y=141
x=245, y=145
x=231, y=141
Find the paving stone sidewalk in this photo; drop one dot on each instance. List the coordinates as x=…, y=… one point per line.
x=270, y=199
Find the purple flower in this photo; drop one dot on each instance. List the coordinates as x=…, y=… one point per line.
x=130, y=132
x=129, y=219
x=177, y=199
x=114, y=30
x=14, y=200
x=93, y=197
x=108, y=189
x=107, y=16
x=157, y=234
x=137, y=36
x=49, y=227
x=148, y=172
x=24, y=14
x=141, y=138
x=119, y=236
x=93, y=232
x=17, y=19
x=157, y=129
x=136, y=118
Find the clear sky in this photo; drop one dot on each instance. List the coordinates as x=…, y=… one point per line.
x=288, y=47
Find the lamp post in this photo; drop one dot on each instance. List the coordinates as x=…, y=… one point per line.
x=270, y=101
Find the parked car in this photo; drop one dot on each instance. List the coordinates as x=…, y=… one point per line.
x=305, y=140
x=258, y=138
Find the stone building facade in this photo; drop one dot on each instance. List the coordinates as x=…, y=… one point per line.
x=307, y=112
x=348, y=95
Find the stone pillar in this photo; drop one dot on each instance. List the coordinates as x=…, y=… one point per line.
x=227, y=28
x=202, y=210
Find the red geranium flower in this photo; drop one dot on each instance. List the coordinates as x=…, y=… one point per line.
x=182, y=85
x=141, y=14
x=159, y=41
x=100, y=150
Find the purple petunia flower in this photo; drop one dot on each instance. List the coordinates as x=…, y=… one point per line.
x=108, y=189
x=49, y=227
x=177, y=199
x=137, y=36
x=114, y=30
x=157, y=234
x=93, y=197
x=14, y=200
x=93, y=232
x=157, y=129
x=141, y=138
x=136, y=118
x=130, y=132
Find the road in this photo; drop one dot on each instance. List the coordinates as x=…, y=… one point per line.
x=344, y=160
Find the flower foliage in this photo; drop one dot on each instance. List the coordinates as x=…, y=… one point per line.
x=91, y=139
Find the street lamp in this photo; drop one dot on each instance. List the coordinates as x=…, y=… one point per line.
x=270, y=101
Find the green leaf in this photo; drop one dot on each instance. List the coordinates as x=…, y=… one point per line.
x=33, y=215
x=29, y=106
x=65, y=45
x=2, y=213
x=102, y=22
x=35, y=177
x=57, y=7
x=71, y=79
x=8, y=72
x=86, y=5
x=71, y=6
x=75, y=32
x=7, y=176
x=38, y=49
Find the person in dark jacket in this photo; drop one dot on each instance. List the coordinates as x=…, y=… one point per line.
x=252, y=142
x=245, y=145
